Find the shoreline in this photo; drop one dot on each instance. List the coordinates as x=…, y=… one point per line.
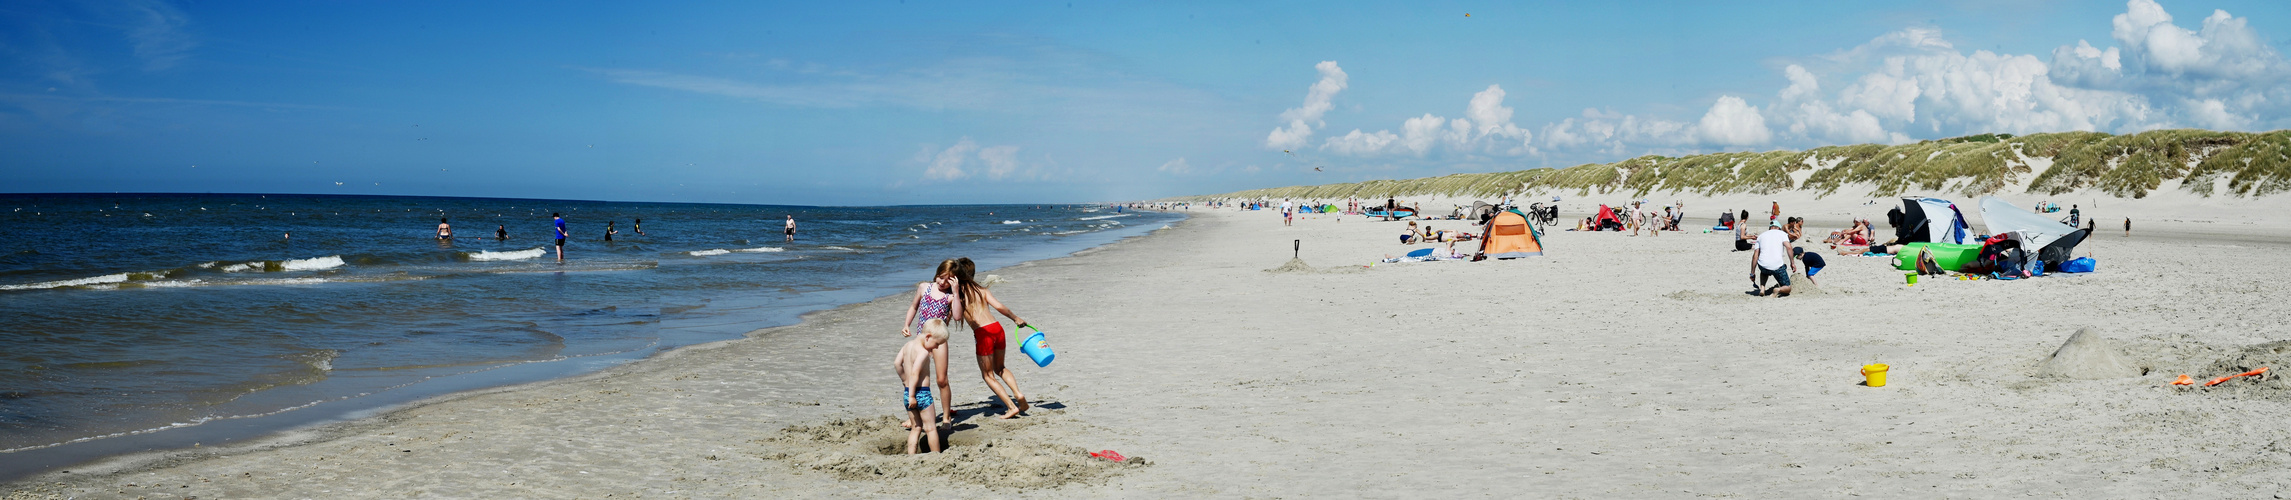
x=159, y=449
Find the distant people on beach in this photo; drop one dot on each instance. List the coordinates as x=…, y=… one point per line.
x=913, y=366
x=445, y=231
x=978, y=309
x=560, y=218
x=790, y=229
x=2075, y=217
x=610, y=231
x=2127, y=227
x=936, y=299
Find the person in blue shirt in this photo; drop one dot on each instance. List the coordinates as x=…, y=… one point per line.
x=1814, y=262
x=560, y=235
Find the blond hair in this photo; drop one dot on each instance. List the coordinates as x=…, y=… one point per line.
x=935, y=329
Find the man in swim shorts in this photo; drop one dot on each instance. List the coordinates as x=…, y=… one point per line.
x=790, y=231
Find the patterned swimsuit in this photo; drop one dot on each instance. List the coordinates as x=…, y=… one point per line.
x=935, y=305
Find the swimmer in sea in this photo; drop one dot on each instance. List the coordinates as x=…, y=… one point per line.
x=445, y=231
x=501, y=232
x=609, y=231
x=640, y=227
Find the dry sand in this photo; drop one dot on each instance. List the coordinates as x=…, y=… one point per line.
x=1615, y=366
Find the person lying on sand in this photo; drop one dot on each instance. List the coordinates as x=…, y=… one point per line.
x=913, y=366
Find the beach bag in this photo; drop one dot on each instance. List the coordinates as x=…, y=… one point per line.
x=2079, y=265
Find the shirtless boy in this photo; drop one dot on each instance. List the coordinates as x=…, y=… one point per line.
x=913, y=366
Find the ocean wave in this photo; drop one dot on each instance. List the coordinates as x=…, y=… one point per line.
x=1104, y=217
x=720, y=251
x=96, y=280
x=272, y=266
x=489, y=255
x=1012, y=222
x=313, y=264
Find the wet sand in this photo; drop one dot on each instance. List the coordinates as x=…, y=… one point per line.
x=1615, y=366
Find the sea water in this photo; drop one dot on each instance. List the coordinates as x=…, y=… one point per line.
x=136, y=322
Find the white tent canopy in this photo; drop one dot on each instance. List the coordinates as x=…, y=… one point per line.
x=2036, y=230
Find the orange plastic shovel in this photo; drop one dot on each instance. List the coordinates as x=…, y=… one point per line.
x=2184, y=380
x=2252, y=373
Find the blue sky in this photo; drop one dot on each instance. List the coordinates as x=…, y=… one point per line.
x=875, y=102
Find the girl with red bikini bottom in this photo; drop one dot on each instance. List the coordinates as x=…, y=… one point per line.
x=978, y=308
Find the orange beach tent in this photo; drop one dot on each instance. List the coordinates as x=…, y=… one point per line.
x=1509, y=237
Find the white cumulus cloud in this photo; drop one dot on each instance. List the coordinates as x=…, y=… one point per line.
x=1177, y=166
x=1485, y=128
x=965, y=159
x=1302, y=119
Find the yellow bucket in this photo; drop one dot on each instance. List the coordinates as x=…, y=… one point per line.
x=1874, y=375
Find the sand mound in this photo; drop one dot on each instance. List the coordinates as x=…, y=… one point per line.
x=2087, y=355
x=2274, y=356
x=874, y=448
x=1294, y=266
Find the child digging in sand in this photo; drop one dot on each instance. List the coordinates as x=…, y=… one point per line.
x=913, y=365
x=978, y=308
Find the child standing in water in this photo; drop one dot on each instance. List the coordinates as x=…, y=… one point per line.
x=941, y=300
x=977, y=308
x=913, y=366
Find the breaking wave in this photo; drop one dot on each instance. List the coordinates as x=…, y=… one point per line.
x=489, y=255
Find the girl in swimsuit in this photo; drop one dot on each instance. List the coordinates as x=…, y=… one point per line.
x=978, y=308
x=937, y=299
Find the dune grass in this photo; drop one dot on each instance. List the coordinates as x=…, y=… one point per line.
x=2130, y=166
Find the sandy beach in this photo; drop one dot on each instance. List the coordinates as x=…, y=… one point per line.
x=1615, y=366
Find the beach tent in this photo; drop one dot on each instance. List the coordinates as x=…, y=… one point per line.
x=2034, y=231
x=1606, y=216
x=2060, y=250
x=1929, y=220
x=1509, y=236
x=1480, y=212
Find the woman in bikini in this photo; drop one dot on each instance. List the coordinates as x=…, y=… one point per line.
x=978, y=309
x=937, y=299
